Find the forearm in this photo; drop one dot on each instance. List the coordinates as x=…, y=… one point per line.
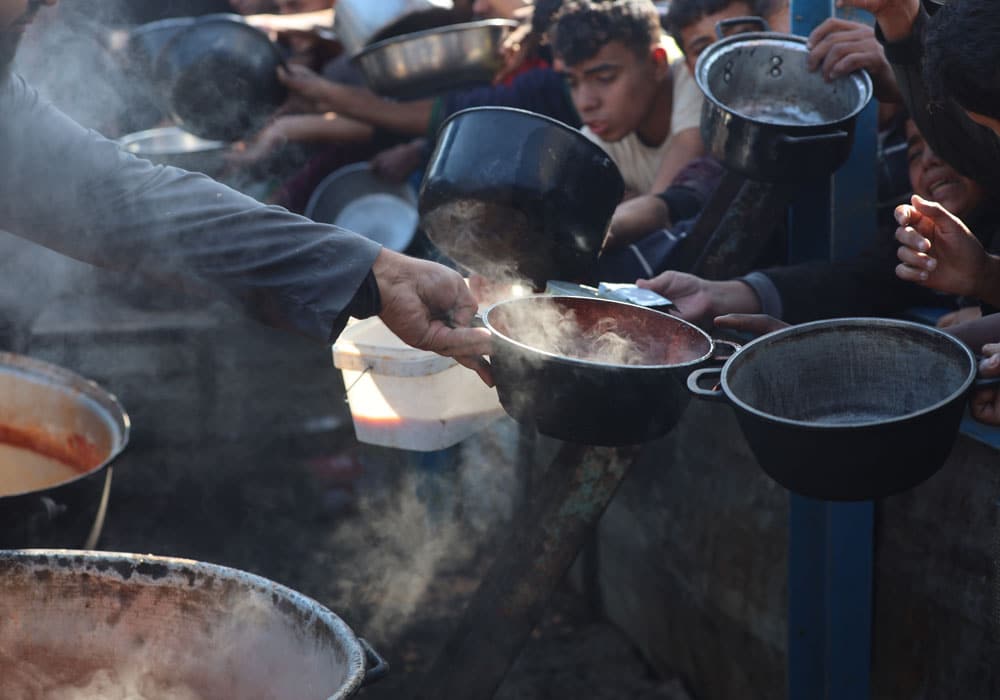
x=685, y=146
x=325, y=128
x=733, y=297
x=636, y=218
x=411, y=118
x=897, y=22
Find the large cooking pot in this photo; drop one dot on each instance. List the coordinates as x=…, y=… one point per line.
x=103, y=625
x=766, y=115
x=513, y=194
x=427, y=63
x=358, y=22
x=220, y=76
x=848, y=409
x=171, y=145
x=54, y=414
x=546, y=380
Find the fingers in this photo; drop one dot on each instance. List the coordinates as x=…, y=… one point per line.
x=935, y=212
x=989, y=366
x=660, y=284
x=983, y=406
x=755, y=324
x=480, y=366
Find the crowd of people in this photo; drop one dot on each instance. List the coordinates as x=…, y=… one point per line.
x=621, y=71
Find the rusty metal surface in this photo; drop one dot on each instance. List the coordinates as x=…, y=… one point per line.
x=95, y=622
x=566, y=505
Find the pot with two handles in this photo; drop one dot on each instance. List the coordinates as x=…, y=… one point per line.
x=766, y=115
x=847, y=409
x=594, y=371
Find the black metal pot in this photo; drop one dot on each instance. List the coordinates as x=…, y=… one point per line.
x=220, y=77
x=848, y=409
x=36, y=395
x=593, y=403
x=766, y=116
x=510, y=193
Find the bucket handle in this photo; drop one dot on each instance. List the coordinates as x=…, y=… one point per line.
x=833, y=136
x=715, y=393
x=376, y=667
x=735, y=21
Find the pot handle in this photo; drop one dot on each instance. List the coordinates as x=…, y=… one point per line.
x=716, y=394
x=376, y=667
x=985, y=382
x=733, y=349
x=833, y=136
x=734, y=21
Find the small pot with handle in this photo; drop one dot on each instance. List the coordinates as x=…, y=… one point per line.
x=766, y=115
x=847, y=409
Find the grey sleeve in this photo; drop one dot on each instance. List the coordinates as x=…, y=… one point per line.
x=970, y=148
x=767, y=293
x=71, y=190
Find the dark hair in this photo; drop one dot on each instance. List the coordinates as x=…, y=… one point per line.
x=683, y=13
x=584, y=27
x=962, y=55
x=542, y=15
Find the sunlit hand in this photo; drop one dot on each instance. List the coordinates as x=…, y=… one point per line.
x=264, y=143
x=838, y=47
x=698, y=300
x=938, y=250
x=985, y=403
x=430, y=307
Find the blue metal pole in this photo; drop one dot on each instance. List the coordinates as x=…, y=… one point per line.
x=830, y=545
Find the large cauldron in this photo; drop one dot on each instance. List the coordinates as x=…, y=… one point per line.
x=586, y=401
x=511, y=193
x=95, y=624
x=767, y=116
x=848, y=409
x=37, y=398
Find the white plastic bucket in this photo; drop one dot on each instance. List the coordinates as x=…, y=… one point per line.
x=407, y=398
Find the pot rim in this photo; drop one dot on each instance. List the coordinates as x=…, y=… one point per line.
x=126, y=566
x=852, y=322
x=436, y=31
x=89, y=391
x=591, y=364
x=136, y=137
x=798, y=43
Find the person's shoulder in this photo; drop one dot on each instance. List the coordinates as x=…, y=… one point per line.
x=15, y=92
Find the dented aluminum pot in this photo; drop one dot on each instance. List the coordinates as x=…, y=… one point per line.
x=127, y=625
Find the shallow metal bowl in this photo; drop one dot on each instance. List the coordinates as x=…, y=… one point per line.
x=423, y=64
x=354, y=198
x=171, y=145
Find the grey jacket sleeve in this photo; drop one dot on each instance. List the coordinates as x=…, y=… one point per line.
x=971, y=149
x=71, y=190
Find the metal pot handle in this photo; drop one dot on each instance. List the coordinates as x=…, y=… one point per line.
x=733, y=21
x=985, y=382
x=716, y=393
x=733, y=347
x=834, y=136
x=376, y=667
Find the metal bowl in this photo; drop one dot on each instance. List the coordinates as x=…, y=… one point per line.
x=354, y=198
x=423, y=64
x=171, y=145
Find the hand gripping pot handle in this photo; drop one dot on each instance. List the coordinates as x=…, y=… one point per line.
x=376, y=667
x=724, y=24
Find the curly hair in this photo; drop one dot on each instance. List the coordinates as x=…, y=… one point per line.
x=583, y=27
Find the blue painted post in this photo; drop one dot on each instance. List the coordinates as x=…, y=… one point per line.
x=830, y=545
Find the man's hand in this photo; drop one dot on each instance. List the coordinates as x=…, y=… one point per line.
x=985, y=403
x=430, y=307
x=698, y=300
x=267, y=141
x=895, y=17
x=398, y=163
x=939, y=251
x=307, y=86
x=838, y=47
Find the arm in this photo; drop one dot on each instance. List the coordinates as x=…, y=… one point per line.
x=685, y=146
x=323, y=128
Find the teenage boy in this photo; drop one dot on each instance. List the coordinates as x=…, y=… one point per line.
x=637, y=105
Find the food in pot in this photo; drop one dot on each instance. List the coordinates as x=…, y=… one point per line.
x=32, y=459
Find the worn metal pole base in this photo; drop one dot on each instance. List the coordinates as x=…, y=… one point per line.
x=544, y=541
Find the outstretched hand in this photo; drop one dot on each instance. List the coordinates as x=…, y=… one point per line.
x=985, y=403
x=838, y=47
x=430, y=307
x=937, y=250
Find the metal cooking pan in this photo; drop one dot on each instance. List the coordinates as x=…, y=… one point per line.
x=171, y=145
x=428, y=63
x=848, y=409
x=766, y=115
x=589, y=402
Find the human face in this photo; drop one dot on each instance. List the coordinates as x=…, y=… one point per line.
x=15, y=16
x=697, y=37
x=499, y=9
x=933, y=179
x=614, y=91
